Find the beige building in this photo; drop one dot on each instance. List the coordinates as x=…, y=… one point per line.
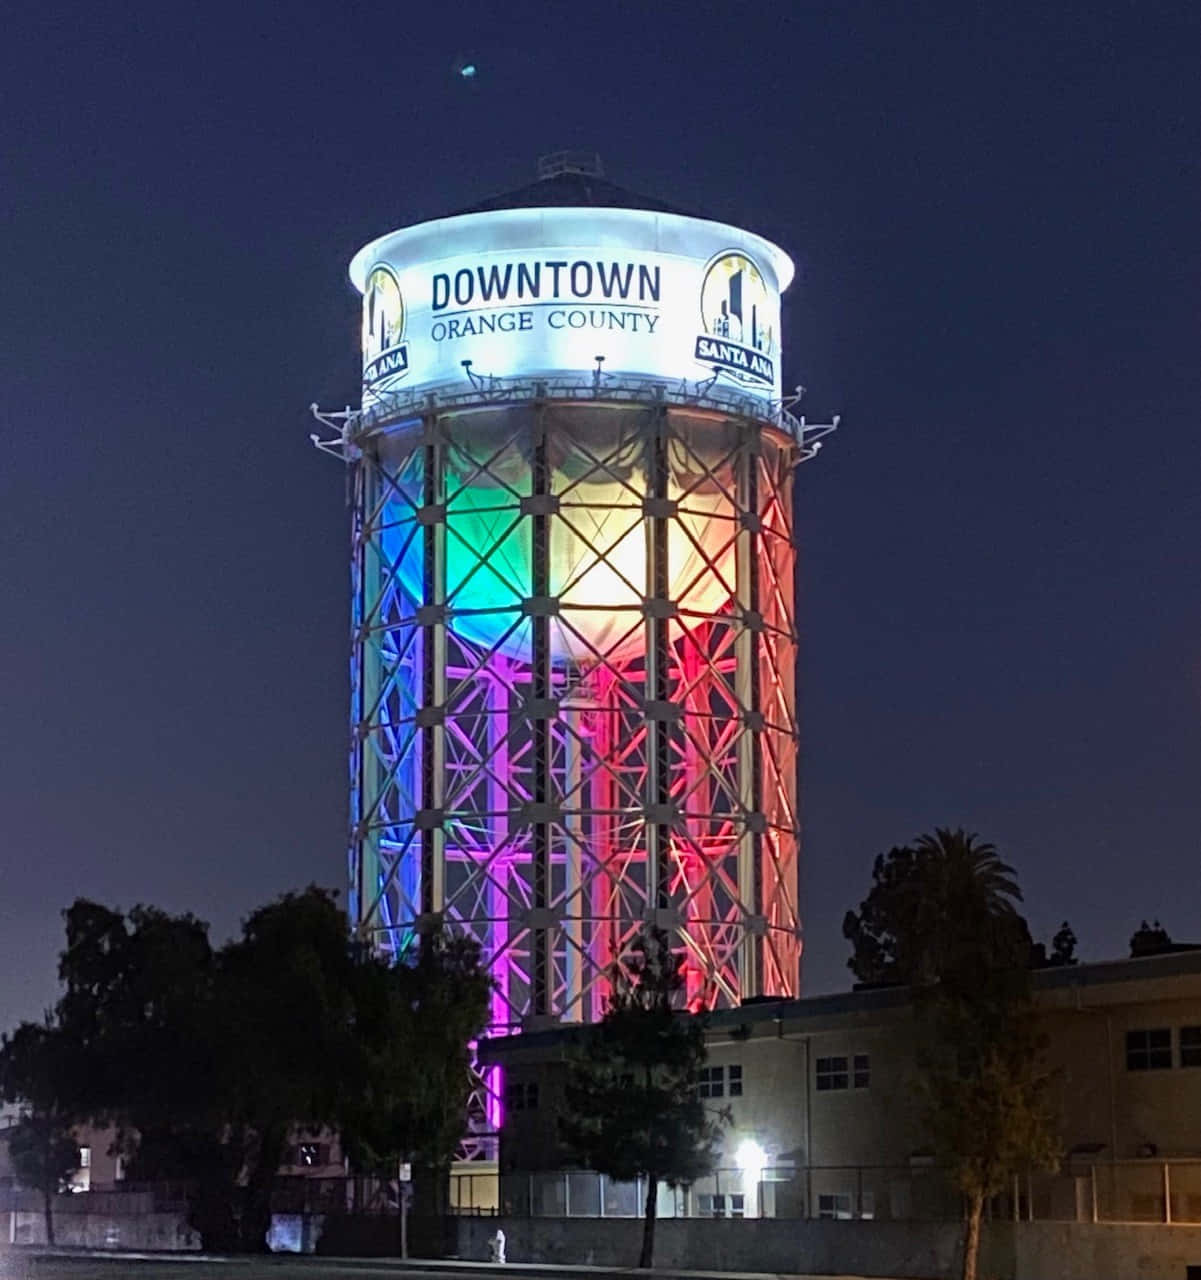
x=826, y=1115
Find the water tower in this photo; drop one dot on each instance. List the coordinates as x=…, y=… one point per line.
x=574, y=633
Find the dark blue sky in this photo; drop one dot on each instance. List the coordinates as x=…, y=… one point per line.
x=995, y=213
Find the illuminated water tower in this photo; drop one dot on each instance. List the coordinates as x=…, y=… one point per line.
x=574, y=634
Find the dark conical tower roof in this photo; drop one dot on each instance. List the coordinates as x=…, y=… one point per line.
x=574, y=187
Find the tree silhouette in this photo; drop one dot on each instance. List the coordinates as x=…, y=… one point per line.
x=632, y=1104
x=207, y=1061
x=36, y=1072
x=1063, y=946
x=941, y=916
x=1063, y=950
x=986, y=1093
x=1149, y=940
x=929, y=902
x=415, y=1022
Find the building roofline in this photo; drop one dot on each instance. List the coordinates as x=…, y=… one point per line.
x=1181, y=960
x=876, y=999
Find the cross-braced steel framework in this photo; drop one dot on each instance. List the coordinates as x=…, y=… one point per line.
x=574, y=643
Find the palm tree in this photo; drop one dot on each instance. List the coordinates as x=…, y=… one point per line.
x=961, y=868
x=942, y=916
x=986, y=1089
x=968, y=897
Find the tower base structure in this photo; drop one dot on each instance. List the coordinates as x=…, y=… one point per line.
x=574, y=645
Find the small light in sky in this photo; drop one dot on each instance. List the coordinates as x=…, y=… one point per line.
x=468, y=71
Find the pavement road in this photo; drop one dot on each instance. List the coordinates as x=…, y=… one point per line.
x=21, y=1264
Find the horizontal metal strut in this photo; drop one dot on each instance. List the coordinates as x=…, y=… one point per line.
x=349, y=424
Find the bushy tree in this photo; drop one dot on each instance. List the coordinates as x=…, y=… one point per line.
x=986, y=1091
x=1063, y=946
x=632, y=1104
x=414, y=1079
x=416, y=1023
x=941, y=917
x=1063, y=950
x=139, y=1005
x=1149, y=940
x=286, y=993
x=208, y=1060
x=39, y=1073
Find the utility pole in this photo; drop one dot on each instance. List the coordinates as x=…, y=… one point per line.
x=404, y=1180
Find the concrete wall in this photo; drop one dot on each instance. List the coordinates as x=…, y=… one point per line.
x=95, y=1220
x=906, y=1250
x=159, y=1231
x=900, y=1249
x=1103, y=1251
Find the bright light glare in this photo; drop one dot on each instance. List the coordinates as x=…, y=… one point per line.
x=750, y=1156
x=468, y=72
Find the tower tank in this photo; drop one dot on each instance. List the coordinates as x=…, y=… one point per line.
x=574, y=629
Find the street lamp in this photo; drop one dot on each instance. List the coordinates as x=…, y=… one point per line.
x=750, y=1158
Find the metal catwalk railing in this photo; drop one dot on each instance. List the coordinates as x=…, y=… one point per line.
x=491, y=390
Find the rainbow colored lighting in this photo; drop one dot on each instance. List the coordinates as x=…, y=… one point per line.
x=574, y=701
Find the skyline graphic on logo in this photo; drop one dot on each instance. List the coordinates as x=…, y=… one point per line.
x=384, y=351
x=736, y=311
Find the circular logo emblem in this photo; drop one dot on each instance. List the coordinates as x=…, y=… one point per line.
x=736, y=312
x=384, y=352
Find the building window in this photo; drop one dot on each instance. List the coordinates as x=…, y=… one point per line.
x=1190, y=1046
x=832, y=1074
x=85, y=1157
x=1149, y=1050
x=723, y=1206
x=862, y=1067
x=711, y=1082
x=834, y=1205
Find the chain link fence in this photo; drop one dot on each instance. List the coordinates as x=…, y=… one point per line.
x=1138, y=1191
x=1167, y=1191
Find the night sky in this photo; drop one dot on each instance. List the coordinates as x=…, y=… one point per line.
x=994, y=209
